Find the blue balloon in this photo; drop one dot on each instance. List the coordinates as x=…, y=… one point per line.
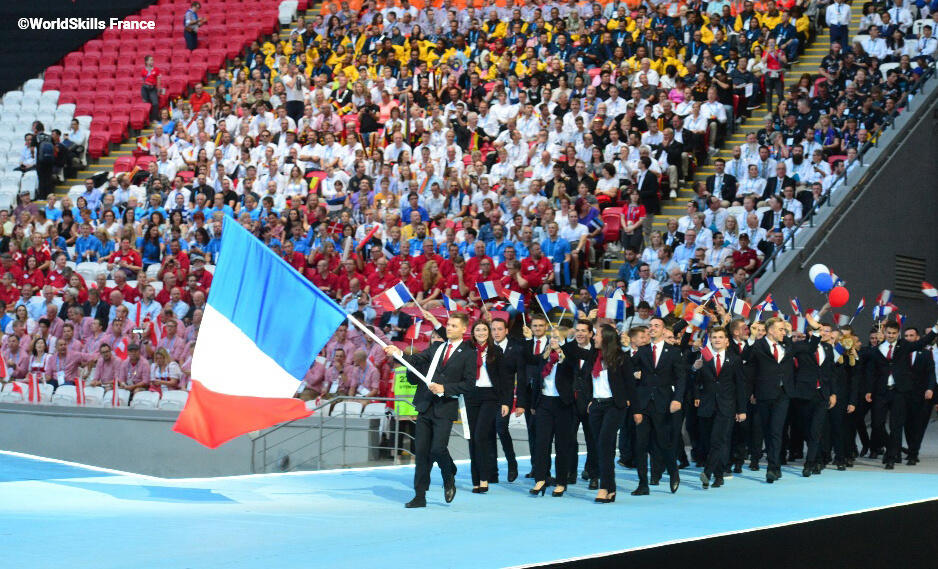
x=823, y=282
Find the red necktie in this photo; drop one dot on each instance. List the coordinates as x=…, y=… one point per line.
x=654, y=355
x=775, y=352
x=889, y=355
x=719, y=367
x=642, y=293
x=598, y=364
x=537, y=347
x=449, y=348
x=817, y=358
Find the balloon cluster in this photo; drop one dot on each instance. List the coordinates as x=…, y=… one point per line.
x=823, y=280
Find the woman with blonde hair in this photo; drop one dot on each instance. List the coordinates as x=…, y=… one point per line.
x=430, y=278
x=164, y=372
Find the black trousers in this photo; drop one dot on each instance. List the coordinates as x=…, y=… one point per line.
x=839, y=431
x=508, y=446
x=754, y=438
x=894, y=405
x=715, y=437
x=532, y=434
x=660, y=424
x=675, y=428
x=627, y=437
x=149, y=94
x=857, y=421
x=592, y=466
x=604, y=420
x=771, y=414
x=552, y=422
x=295, y=110
x=482, y=410
x=810, y=415
x=917, y=422
x=431, y=439
x=192, y=40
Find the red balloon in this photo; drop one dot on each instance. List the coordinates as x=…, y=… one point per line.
x=838, y=296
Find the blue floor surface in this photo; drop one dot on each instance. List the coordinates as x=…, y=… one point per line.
x=356, y=518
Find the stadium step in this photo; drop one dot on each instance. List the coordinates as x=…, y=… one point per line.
x=808, y=62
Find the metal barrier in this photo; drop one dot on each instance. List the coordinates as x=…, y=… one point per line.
x=840, y=182
x=328, y=440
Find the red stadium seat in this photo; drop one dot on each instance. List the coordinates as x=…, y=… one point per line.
x=124, y=164
x=118, y=129
x=72, y=59
x=611, y=226
x=139, y=115
x=143, y=162
x=97, y=144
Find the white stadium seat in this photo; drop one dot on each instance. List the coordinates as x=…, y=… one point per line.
x=145, y=400
x=175, y=399
x=94, y=396
x=33, y=85
x=50, y=95
x=375, y=410
x=89, y=270
x=347, y=408
x=30, y=183
x=122, y=394
x=65, y=395
x=12, y=99
x=7, y=395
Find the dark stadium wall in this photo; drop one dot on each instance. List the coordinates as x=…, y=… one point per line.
x=26, y=53
x=896, y=215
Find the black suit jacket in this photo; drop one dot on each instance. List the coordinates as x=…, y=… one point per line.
x=728, y=191
x=879, y=368
x=564, y=377
x=100, y=312
x=769, y=216
x=726, y=393
x=923, y=372
x=771, y=185
x=769, y=376
x=457, y=375
x=674, y=241
x=667, y=291
x=513, y=364
x=620, y=379
x=660, y=384
x=648, y=193
x=809, y=375
x=404, y=321
x=500, y=371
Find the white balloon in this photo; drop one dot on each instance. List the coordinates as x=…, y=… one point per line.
x=817, y=269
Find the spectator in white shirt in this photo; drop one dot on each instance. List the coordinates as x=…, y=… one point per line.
x=875, y=46
x=752, y=184
x=644, y=288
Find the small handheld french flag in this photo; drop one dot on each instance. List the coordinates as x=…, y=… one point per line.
x=665, y=308
x=705, y=352
x=881, y=311
x=860, y=308
x=609, y=308
x=930, y=291
x=841, y=319
x=767, y=304
x=839, y=349
x=795, y=305
x=553, y=300
x=450, y=304
x=799, y=324
x=515, y=299
x=393, y=298
x=694, y=318
x=884, y=297
x=720, y=283
x=487, y=290
x=598, y=287
x=740, y=307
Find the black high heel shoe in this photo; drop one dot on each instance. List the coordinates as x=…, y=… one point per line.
x=541, y=490
x=480, y=489
x=557, y=494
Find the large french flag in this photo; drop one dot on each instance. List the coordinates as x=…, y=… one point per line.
x=393, y=298
x=261, y=329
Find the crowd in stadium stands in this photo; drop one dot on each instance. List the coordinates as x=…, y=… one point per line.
x=448, y=146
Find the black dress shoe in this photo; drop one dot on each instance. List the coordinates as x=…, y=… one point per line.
x=770, y=476
x=778, y=472
x=698, y=464
x=480, y=489
x=873, y=455
x=529, y=474
x=594, y=484
x=841, y=466
x=817, y=469
x=863, y=451
x=449, y=492
x=512, y=474
x=683, y=463
x=641, y=491
x=718, y=481
x=738, y=468
x=623, y=463
x=655, y=480
x=705, y=480
x=806, y=471
x=849, y=463
x=571, y=479
x=890, y=465
x=675, y=482
x=419, y=501
x=784, y=461
x=911, y=461
x=630, y=464
x=754, y=465
x=585, y=475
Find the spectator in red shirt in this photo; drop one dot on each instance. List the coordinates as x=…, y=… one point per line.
x=202, y=277
x=348, y=274
x=536, y=269
x=129, y=293
x=745, y=257
x=293, y=257
x=199, y=97
x=8, y=266
x=125, y=258
x=322, y=278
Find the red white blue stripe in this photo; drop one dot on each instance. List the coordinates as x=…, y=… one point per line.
x=394, y=298
x=609, y=308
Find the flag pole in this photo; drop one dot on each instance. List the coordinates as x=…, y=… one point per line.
x=536, y=297
x=358, y=324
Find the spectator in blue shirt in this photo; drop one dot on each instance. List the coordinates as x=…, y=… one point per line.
x=413, y=205
x=87, y=246
x=151, y=246
x=92, y=195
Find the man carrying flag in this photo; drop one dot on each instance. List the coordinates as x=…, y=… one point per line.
x=450, y=368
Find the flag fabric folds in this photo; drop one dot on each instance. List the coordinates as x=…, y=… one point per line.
x=262, y=327
x=488, y=290
x=609, y=308
x=930, y=291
